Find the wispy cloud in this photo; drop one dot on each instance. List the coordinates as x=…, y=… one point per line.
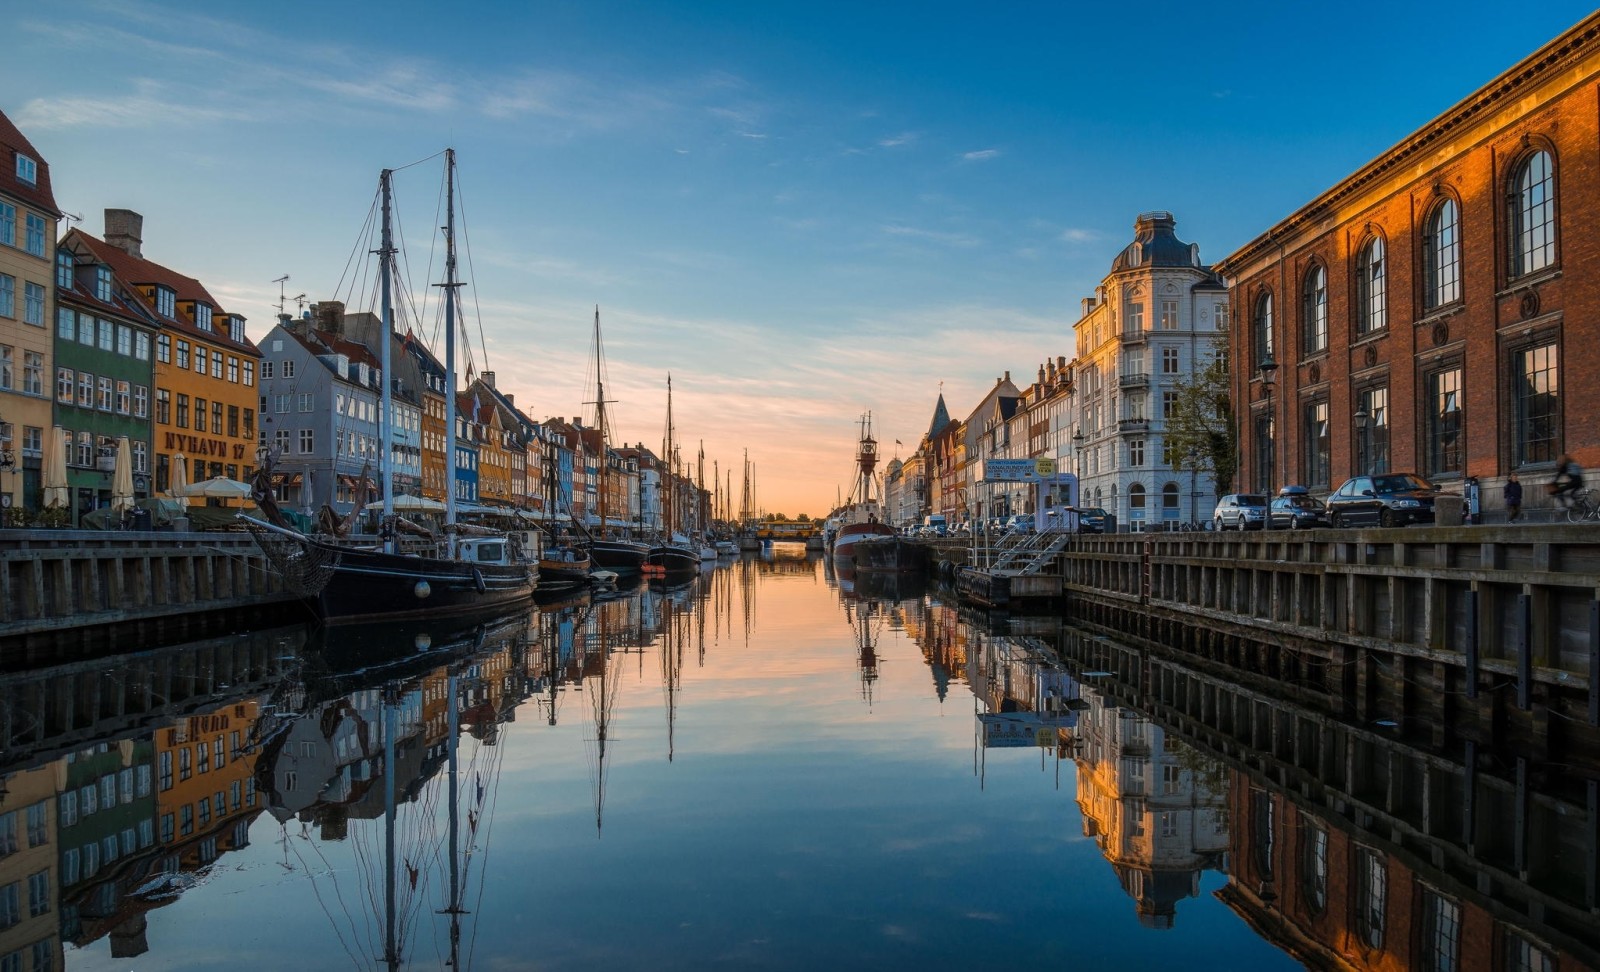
x=149, y=107
x=932, y=236
x=982, y=155
x=893, y=141
x=1077, y=235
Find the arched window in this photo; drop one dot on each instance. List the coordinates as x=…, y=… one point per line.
x=1262, y=325
x=1372, y=295
x=1314, y=310
x=1533, y=215
x=1441, y=257
x=1314, y=864
x=1169, y=502
x=1136, y=496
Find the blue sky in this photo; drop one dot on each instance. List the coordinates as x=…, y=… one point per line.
x=803, y=211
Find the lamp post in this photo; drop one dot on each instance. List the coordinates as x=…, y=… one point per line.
x=1362, y=418
x=8, y=463
x=1269, y=373
x=1077, y=457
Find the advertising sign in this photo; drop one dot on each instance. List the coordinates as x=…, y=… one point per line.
x=1010, y=471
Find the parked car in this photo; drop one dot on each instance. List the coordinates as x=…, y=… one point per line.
x=1298, y=511
x=1387, y=499
x=1020, y=523
x=1091, y=519
x=1240, y=511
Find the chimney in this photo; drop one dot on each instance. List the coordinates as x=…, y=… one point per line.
x=488, y=378
x=510, y=399
x=124, y=230
x=1008, y=375
x=330, y=317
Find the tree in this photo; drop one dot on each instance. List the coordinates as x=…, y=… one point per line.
x=1201, y=432
x=804, y=518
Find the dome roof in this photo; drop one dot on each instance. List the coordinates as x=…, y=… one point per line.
x=1156, y=244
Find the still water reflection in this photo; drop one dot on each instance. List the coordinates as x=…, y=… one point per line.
x=772, y=767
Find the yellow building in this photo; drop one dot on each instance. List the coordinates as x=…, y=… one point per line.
x=205, y=369
x=205, y=783
x=27, y=253
x=30, y=885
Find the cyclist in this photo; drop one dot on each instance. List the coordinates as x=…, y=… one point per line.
x=1568, y=481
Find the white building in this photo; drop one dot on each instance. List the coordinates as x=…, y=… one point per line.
x=1151, y=324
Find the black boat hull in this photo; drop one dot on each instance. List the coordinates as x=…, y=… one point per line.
x=890, y=554
x=369, y=585
x=621, y=557
x=676, y=561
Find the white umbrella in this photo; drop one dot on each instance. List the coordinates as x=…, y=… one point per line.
x=122, y=478
x=406, y=503
x=220, y=487
x=54, y=472
x=178, y=480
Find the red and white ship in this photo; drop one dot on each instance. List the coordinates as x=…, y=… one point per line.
x=863, y=516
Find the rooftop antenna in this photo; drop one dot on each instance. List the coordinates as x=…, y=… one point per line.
x=72, y=217
x=281, y=301
x=300, y=302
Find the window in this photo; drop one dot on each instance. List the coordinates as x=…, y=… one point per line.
x=1169, y=315
x=266, y=370
x=8, y=366
x=216, y=417
x=281, y=441
x=165, y=767
x=1169, y=361
x=166, y=301
x=102, y=284
x=125, y=340
x=249, y=423
x=1263, y=440
x=280, y=403
x=108, y=337
x=216, y=364
x=186, y=819
x=204, y=760
x=85, y=390
x=32, y=439
x=124, y=397
x=233, y=420
x=236, y=327
x=249, y=373
x=1262, y=327
x=163, y=406
x=1533, y=215
x=8, y=224
x=141, y=346
x=1373, y=445
x=199, y=359
x=186, y=755
x=1314, y=864
x=307, y=441
x=65, y=265
x=1444, y=422
x=199, y=415
x=1441, y=257
x=1372, y=896
x=141, y=401
x=1371, y=288
x=8, y=295
x=1136, y=452
x=36, y=234
x=86, y=454
x=38, y=893
x=66, y=324
x=1441, y=932
x=1314, y=310
x=1319, y=445
x=1536, y=400
x=8, y=833
x=202, y=316
x=10, y=905
x=1169, y=403
x=66, y=378
x=141, y=456
x=306, y=401
x=1169, y=511
x=105, y=396
x=167, y=833
x=1135, y=317
x=288, y=369
x=1524, y=956
x=33, y=372
x=233, y=369
x=27, y=170
x=86, y=329
x=164, y=348
x=183, y=355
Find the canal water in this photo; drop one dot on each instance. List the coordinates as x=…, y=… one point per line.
x=772, y=767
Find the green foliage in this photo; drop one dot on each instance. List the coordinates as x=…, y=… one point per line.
x=803, y=518
x=1201, y=431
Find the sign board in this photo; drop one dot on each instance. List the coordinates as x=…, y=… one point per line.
x=1045, y=468
x=1010, y=471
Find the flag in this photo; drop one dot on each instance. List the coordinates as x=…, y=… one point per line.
x=898, y=442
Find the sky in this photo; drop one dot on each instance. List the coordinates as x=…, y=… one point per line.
x=801, y=211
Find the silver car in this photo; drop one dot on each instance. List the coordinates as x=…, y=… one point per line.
x=1241, y=511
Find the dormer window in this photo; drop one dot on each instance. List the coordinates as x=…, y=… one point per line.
x=64, y=268
x=236, y=327
x=102, y=284
x=27, y=170
x=166, y=301
x=202, y=316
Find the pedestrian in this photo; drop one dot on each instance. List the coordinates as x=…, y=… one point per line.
x=1513, y=499
x=1569, y=479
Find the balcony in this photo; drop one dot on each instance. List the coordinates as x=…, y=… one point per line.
x=1131, y=336
x=1134, y=379
x=1128, y=425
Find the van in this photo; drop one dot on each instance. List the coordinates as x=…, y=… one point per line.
x=933, y=525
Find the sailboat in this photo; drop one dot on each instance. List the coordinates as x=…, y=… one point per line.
x=862, y=516
x=674, y=555
x=618, y=554
x=348, y=581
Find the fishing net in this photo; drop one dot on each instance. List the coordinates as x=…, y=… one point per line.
x=304, y=567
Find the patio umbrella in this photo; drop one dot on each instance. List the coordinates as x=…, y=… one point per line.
x=406, y=503
x=54, y=478
x=179, y=479
x=220, y=487
x=122, y=478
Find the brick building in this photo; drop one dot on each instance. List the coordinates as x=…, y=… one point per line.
x=1428, y=313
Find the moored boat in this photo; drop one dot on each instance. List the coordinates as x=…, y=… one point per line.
x=891, y=553
x=862, y=516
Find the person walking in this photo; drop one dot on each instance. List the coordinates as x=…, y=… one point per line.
x=1513, y=498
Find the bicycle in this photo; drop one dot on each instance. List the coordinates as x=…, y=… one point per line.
x=1583, y=505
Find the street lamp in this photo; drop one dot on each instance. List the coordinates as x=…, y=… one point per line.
x=1077, y=456
x=1269, y=373
x=8, y=463
x=1362, y=418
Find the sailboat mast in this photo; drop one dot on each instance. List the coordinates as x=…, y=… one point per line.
x=386, y=412
x=600, y=414
x=669, y=519
x=450, y=286
x=391, y=948
x=454, y=908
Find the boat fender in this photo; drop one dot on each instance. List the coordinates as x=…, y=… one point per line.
x=422, y=590
x=477, y=578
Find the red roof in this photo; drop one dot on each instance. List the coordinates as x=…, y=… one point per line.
x=139, y=271
x=39, y=195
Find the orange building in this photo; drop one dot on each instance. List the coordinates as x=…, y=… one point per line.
x=205, y=783
x=205, y=369
x=431, y=380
